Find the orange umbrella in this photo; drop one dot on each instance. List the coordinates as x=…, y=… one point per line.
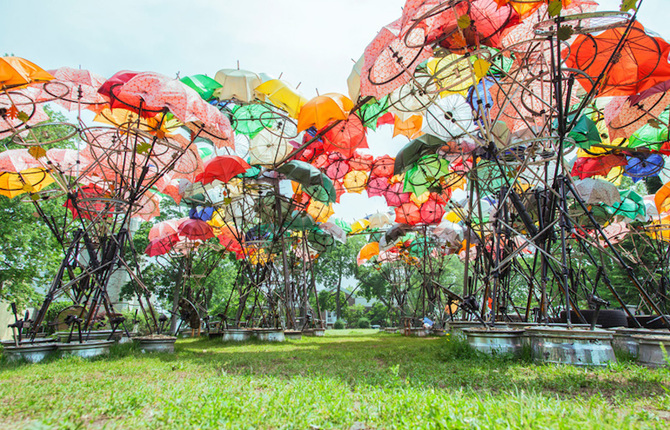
x=642, y=61
x=16, y=72
x=408, y=213
x=346, y=137
x=367, y=252
x=410, y=128
x=321, y=110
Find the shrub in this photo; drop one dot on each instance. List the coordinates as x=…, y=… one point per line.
x=363, y=323
x=339, y=325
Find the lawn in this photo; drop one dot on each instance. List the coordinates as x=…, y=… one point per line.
x=347, y=380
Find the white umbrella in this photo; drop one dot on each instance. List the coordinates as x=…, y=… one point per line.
x=449, y=117
x=594, y=191
x=236, y=84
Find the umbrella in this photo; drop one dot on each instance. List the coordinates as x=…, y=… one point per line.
x=379, y=220
x=222, y=168
x=625, y=118
x=72, y=87
x=321, y=212
x=346, y=137
x=383, y=166
x=643, y=166
x=414, y=151
x=631, y=205
x=585, y=133
x=252, y=118
x=282, y=95
x=355, y=181
x=195, y=229
x=367, y=252
x=651, y=136
x=395, y=196
x=359, y=225
x=596, y=191
x=312, y=180
x=268, y=148
x=389, y=61
x=321, y=110
x=29, y=180
x=301, y=221
x=585, y=167
x=410, y=128
x=641, y=63
x=202, y=84
x=425, y=173
x=354, y=79
x=377, y=186
x=16, y=160
x=335, y=230
x=165, y=228
x=449, y=117
x=361, y=162
x=337, y=169
x=17, y=72
x=320, y=240
x=236, y=84
x=431, y=212
x=408, y=213
x=161, y=246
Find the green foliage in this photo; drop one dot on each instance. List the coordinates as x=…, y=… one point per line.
x=363, y=323
x=354, y=313
x=339, y=325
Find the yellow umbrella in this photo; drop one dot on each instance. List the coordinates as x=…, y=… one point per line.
x=454, y=73
x=355, y=181
x=282, y=95
x=319, y=211
x=419, y=200
x=121, y=117
x=359, y=226
x=27, y=181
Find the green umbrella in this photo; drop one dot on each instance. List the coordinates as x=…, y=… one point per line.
x=313, y=181
x=414, y=150
x=585, y=133
x=267, y=210
x=632, y=205
x=203, y=85
x=500, y=64
x=371, y=111
x=251, y=119
x=651, y=136
x=320, y=240
x=425, y=173
x=343, y=225
x=300, y=221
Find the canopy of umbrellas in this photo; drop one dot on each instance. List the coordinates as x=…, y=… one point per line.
x=497, y=98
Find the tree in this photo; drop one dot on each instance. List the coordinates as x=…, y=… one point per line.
x=336, y=264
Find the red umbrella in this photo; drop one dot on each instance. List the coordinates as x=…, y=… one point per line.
x=395, y=196
x=337, y=169
x=161, y=246
x=593, y=166
x=165, y=228
x=195, y=229
x=383, y=166
x=361, y=162
x=408, y=213
x=641, y=64
x=432, y=212
x=346, y=137
x=222, y=168
x=229, y=243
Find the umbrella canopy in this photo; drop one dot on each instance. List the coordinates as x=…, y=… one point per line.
x=252, y=118
x=202, y=84
x=395, y=196
x=355, y=181
x=17, y=72
x=408, y=213
x=643, y=166
x=161, y=246
x=222, y=168
x=236, y=84
x=586, y=167
x=367, y=252
x=320, y=240
x=321, y=110
x=16, y=160
x=26, y=181
x=631, y=205
x=346, y=137
x=383, y=166
x=335, y=230
x=414, y=151
x=321, y=212
x=165, y=228
x=379, y=220
x=426, y=173
x=312, y=180
x=282, y=95
x=596, y=191
x=450, y=117
x=268, y=148
x=73, y=87
x=377, y=186
x=195, y=229
x=641, y=64
x=431, y=212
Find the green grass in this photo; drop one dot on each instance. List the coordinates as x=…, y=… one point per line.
x=351, y=379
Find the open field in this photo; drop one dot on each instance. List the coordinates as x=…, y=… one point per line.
x=348, y=379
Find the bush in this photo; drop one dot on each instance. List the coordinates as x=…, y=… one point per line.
x=363, y=323
x=339, y=325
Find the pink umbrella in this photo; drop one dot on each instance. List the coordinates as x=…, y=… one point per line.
x=377, y=186
x=389, y=62
x=165, y=228
x=337, y=169
x=66, y=160
x=431, y=212
x=624, y=117
x=154, y=92
x=395, y=196
x=16, y=160
x=149, y=207
x=72, y=86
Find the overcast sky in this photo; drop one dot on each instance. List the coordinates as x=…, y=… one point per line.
x=312, y=42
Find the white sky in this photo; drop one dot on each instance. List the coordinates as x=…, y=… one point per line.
x=312, y=42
